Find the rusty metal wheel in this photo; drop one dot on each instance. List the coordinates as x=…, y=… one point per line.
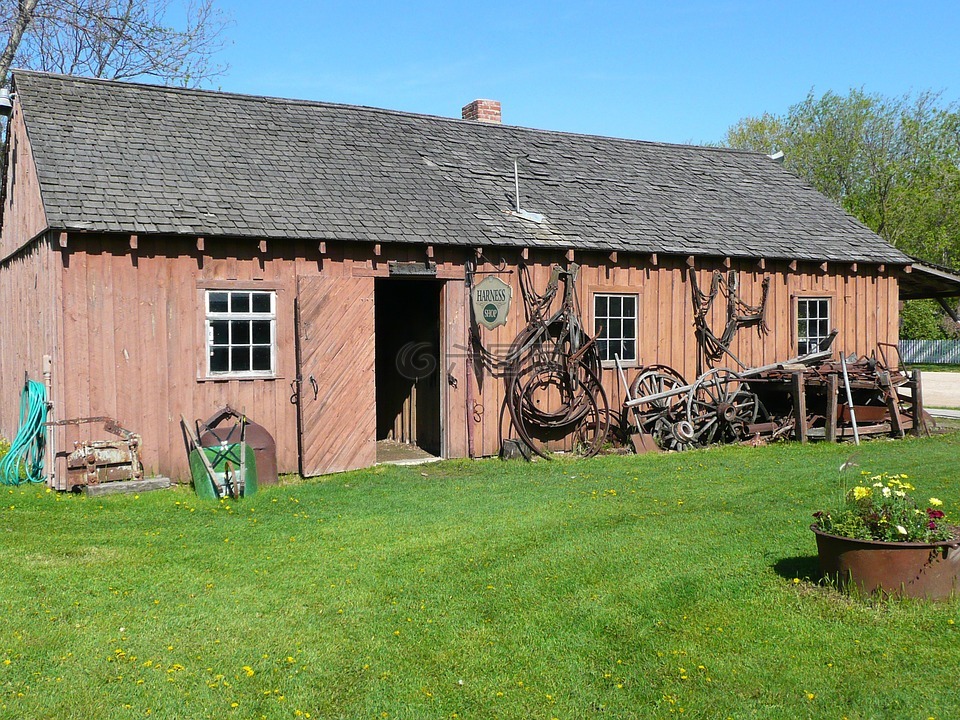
x=553, y=407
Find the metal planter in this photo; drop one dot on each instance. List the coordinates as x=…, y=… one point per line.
x=900, y=569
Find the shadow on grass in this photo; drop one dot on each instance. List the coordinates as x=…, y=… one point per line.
x=805, y=567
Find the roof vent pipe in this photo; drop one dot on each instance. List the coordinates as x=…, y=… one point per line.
x=520, y=212
x=516, y=181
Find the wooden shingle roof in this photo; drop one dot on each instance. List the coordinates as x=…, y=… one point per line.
x=131, y=158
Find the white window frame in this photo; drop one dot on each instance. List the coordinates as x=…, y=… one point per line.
x=250, y=316
x=803, y=323
x=604, y=319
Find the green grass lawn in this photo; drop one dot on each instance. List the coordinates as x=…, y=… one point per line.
x=679, y=585
x=934, y=368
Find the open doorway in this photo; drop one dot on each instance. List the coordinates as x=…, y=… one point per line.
x=408, y=368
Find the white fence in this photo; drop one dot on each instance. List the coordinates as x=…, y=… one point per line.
x=931, y=352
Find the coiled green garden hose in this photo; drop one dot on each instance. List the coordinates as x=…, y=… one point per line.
x=26, y=451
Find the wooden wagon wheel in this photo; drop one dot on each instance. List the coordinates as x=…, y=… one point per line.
x=658, y=417
x=719, y=407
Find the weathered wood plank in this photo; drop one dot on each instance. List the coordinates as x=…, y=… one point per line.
x=799, y=391
x=831, y=423
x=338, y=408
x=127, y=486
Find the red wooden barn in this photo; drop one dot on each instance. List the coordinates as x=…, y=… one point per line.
x=174, y=250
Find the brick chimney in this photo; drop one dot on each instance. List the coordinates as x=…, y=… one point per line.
x=482, y=110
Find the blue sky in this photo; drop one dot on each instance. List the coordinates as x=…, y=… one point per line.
x=665, y=71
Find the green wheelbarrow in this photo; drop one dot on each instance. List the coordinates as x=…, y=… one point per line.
x=223, y=470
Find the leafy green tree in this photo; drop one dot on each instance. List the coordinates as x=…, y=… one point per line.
x=892, y=163
x=921, y=320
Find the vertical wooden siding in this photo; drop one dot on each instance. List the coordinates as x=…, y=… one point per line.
x=863, y=309
x=29, y=318
x=133, y=345
x=29, y=279
x=23, y=213
x=133, y=328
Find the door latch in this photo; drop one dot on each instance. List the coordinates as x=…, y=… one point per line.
x=315, y=386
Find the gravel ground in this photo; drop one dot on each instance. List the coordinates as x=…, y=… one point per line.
x=941, y=389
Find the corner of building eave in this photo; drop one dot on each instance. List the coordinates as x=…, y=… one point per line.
x=32, y=193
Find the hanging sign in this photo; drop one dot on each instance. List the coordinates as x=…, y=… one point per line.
x=491, y=302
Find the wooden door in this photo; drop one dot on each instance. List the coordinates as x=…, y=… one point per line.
x=337, y=402
x=453, y=382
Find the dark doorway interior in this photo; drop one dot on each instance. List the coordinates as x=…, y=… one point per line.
x=408, y=362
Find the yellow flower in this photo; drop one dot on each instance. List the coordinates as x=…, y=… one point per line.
x=861, y=492
x=936, y=502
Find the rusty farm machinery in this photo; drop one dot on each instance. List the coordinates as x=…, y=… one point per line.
x=808, y=396
x=555, y=400
x=812, y=396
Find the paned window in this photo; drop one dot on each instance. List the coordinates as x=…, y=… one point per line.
x=615, y=326
x=813, y=323
x=241, y=332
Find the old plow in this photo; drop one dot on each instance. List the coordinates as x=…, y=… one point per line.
x=810, y=396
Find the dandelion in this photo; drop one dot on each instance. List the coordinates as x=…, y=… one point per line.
x=936, y=502
x=810, y=696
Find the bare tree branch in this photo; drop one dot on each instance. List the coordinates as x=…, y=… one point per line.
x=21, y=20
x=119, y=39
